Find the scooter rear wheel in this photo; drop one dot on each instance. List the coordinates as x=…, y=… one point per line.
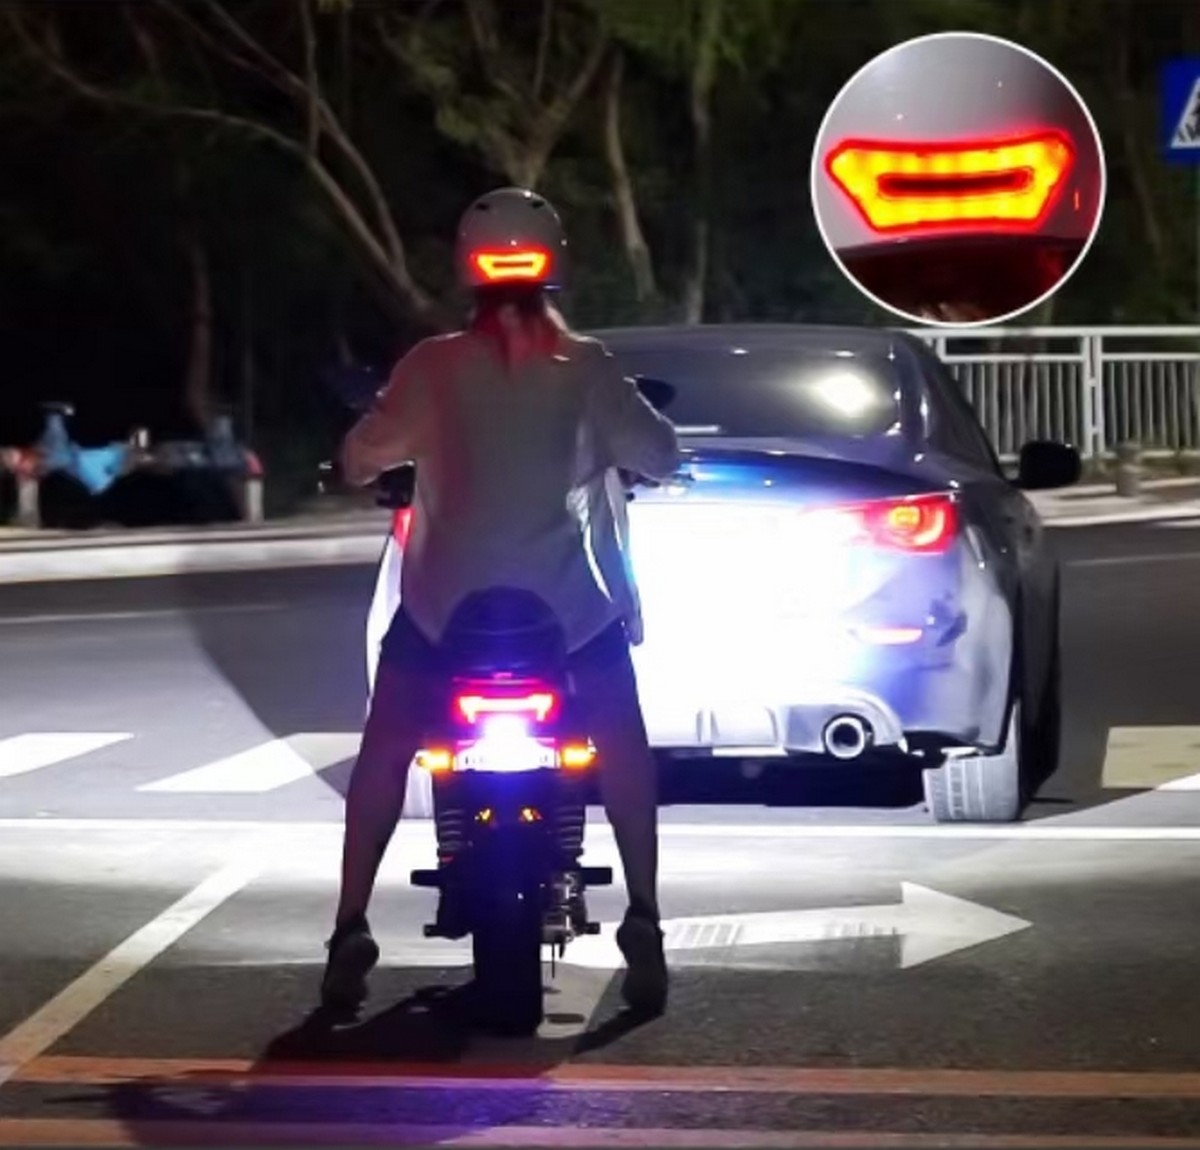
x=507, y=950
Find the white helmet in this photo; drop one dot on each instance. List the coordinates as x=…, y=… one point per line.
x=510, y=236
x=952, y=138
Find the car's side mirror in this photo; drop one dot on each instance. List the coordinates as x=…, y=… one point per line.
x=353, y=387
x=1044, y=465
x=395, y=489
x=656, y=392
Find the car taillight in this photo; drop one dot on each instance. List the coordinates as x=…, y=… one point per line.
x=401, y=526
x=538, y=706
x=924, y=524
x=512, y=264
x=1001, y=184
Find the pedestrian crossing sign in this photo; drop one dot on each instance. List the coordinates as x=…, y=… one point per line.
x=1181, y=110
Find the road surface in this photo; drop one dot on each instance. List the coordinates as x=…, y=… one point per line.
x=171, y=757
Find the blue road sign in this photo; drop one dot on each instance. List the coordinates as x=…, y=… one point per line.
x=1181, y=110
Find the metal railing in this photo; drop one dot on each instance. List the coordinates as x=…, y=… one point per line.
x=1095, y=387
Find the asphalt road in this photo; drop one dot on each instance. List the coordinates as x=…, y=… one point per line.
x=873, y=978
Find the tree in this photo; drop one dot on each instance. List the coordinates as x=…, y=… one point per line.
x=501, y=83
x=208, y=67
x=689, y=41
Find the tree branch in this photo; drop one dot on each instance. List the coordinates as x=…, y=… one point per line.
x=311, y=81
x=481, y=23
x=320, y=116
x=552, y=118
x=393, y=270
x=636, y=248
x=543, y=48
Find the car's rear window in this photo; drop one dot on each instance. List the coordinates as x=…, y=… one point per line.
x=773, y=393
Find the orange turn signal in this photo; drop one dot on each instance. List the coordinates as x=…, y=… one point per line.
x=577, y=756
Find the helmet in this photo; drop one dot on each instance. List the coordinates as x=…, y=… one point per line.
x=510, y=236
x=964, y=148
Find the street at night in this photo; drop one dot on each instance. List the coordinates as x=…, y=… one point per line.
x=865, y=974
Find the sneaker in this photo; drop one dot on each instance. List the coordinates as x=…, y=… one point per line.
x=353, y=954
x=645, y=986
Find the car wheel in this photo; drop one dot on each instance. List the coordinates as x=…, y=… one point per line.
x=418, y=796
x=1043, y=737
x=981, y=788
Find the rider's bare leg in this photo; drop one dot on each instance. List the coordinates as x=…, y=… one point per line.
x=628, y=776
x=375, y=799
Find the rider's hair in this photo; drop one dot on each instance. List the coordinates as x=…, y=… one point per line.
x=518, y=316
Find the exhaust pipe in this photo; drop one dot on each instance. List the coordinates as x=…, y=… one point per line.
x=846, y=736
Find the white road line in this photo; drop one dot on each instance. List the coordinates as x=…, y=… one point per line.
x=30, y=752
x=157, y=613
x=1037, y=831
x=69, y=1007
x=1099, y=517
x=266, y=767
x=1127, y=560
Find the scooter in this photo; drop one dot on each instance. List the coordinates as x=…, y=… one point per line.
x=511, y=764
x=510, y=760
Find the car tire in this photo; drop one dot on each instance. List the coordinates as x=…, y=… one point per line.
x=981, y=788
x=1043, y=737
x=418, y=795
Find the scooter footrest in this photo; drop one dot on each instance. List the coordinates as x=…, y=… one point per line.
x=427, y=878
x=596, y=875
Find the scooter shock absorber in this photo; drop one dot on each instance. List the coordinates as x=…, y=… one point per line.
x=449, y=822
x=571, y=817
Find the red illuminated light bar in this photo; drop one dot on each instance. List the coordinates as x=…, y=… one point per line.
x=538, y=705
x=1006, y=184
x=514, y=264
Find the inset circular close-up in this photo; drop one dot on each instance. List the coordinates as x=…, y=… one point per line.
x=958, y=179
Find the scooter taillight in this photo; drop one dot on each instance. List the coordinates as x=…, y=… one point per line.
x=534, y=704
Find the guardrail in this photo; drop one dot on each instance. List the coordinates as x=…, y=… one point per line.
x=1096, y=387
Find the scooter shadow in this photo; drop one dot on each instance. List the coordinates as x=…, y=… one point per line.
x=435, y=1026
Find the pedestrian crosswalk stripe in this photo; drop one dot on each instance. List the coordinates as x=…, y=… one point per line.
x=266, y=767
x=1160, y=758
x=21, y=754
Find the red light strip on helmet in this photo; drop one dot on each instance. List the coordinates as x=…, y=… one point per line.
x=518, y=264
x=1002, y=183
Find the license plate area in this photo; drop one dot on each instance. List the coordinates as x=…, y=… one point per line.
x=513, y=755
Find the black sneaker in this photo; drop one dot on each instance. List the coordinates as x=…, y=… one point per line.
x=645, y=986
x=353, y=954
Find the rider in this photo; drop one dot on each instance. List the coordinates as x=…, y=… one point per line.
x=505, y=421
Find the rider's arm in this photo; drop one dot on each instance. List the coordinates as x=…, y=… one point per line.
x=386, y=436
x=633, y=436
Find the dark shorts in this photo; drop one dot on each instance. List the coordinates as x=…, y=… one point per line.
x=406, y=648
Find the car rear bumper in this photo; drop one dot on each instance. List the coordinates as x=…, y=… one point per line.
x=959, y=703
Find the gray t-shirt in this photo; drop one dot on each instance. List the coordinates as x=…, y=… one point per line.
x=503, y=453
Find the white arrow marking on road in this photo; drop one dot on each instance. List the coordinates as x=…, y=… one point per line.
x=263, y=768
x=24, y=753
x=928, y=923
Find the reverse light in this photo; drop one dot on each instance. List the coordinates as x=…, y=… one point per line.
x=540, y=705
x=1010, y=183
x=515, y=264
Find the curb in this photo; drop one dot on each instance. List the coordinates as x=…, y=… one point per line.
x=155, y=559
